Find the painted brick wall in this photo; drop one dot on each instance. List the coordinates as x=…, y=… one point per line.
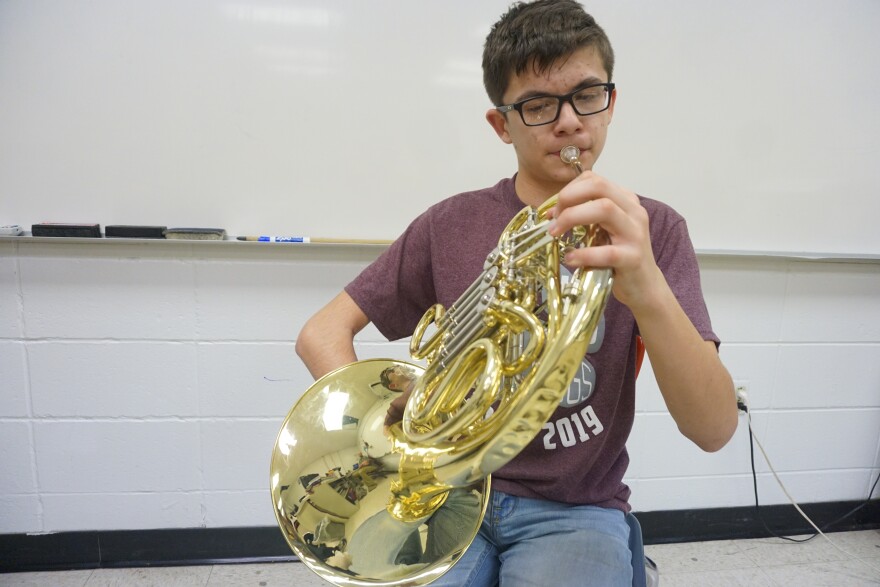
x=803, y=338
x=143, y=384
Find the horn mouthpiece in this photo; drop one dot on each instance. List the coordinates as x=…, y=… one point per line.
x=571, y=155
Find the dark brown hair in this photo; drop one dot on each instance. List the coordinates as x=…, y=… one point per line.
x=538, y=34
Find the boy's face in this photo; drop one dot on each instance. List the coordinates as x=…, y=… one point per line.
x=541, y=171
x=398, y=379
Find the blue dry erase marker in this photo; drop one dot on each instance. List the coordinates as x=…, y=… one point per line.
x=276, y=239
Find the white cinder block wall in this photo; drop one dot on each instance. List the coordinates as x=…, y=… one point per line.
x=143, y=384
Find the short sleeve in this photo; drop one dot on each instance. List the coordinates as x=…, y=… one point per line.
x=397, y=288
x=676, y=258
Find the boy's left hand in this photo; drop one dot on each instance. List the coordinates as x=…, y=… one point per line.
x=592, y=199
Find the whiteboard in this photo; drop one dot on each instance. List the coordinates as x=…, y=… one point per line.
x=758, y=120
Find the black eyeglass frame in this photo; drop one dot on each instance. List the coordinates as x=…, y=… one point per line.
x=518, y=106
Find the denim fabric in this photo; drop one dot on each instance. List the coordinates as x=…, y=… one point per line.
x=530, y=542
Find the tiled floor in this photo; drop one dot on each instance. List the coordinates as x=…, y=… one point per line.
x=752, y=563
x=772, y=562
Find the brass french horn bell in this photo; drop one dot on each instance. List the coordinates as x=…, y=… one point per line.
x=362, y=504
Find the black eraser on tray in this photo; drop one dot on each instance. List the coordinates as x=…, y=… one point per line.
x=66, y=230
x=134, y=231
x=200, y=234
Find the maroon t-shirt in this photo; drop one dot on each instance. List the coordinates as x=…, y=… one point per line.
x=580, y=455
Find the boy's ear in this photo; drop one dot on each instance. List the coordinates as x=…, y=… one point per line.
x=498, y=122
x=611, y=105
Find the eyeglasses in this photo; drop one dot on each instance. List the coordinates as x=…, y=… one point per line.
x=540, y=110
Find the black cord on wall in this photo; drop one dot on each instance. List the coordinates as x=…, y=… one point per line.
x=758, y=514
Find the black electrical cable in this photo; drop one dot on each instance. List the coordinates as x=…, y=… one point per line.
x=755, y=486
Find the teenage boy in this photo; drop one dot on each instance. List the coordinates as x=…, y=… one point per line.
x=557, y=510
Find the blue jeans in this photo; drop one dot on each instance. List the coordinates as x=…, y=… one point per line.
x=532, y=542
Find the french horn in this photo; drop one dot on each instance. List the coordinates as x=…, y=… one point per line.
x=362, y=503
